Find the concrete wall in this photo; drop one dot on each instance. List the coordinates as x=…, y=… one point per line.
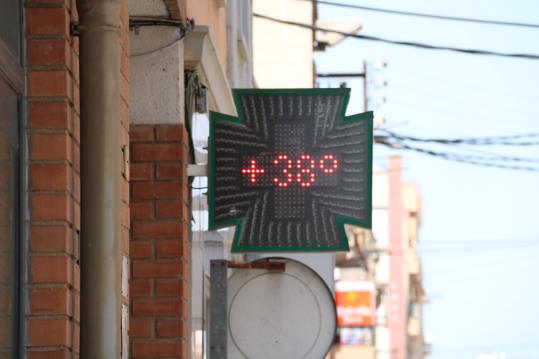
x=211, y=13
x=156, y=64
x=283, y=53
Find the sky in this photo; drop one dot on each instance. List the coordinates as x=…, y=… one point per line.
x=484, y=300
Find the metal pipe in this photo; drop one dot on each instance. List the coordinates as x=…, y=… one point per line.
x=101, y=251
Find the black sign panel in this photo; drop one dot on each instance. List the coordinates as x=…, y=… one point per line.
x=290, y=170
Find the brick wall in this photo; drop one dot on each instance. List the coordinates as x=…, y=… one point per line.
x=159, y=248
x=124, y=142
x=53, y=284
x=53, y=309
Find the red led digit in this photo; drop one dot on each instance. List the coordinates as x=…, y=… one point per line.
x=289, y=171
x=328, y=163
x=304, y=176
x=252, y=171
x=287, y=176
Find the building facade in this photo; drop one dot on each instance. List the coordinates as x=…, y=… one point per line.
x=97, y=104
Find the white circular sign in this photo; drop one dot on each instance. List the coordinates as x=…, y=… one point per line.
x=286, y=315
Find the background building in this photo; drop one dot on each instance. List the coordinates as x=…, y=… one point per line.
x=104, y=245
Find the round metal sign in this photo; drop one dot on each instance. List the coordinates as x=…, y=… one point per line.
x=274, y=314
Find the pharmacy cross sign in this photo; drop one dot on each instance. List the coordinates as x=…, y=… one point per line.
x=291, y=170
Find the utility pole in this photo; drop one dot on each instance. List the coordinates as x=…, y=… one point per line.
x=363, y=75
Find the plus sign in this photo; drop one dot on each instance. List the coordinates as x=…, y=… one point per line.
x=252, y=170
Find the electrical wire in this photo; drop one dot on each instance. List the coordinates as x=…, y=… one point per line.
x=164, y=47
x=143, y=21
x=402, y=43
x=482, y=141
x=472, y=160
x=429, y=16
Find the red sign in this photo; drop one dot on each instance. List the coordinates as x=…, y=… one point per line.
x=355, y=304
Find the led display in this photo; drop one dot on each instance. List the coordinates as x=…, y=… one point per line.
x=290, y=170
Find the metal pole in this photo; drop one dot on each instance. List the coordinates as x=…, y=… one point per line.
x=218, y=309
x=365, y=88
x=101, y=251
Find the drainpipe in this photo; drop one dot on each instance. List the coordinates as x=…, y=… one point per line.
x=101, y=250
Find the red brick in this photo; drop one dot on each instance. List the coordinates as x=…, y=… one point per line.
x=124, y=40
x=156, y=307
x=50, y=146
x=50, y=176
x=155, y=269
x=186, y=287
x=62, y=354
x=51, y=207
x=49, y=332
x=49, y=115
x=124, y=86
x=145, y=229
x=124, y=15
x=125, y=220
x=76, y=276
x=141, y=133
x=140, y=288
x=140, y=249
x=139, y=328
x=124, y=115
x=50, y=301
x=50, y=239
x=124, y=189
x=49, y=83
x=76, y=157
x=169, y=328
x=76, y=187
x=75, y=91
x=76, y=340
x=141, y=209
x=171, y=171
x=144, y=152
x=141, y=171
x=157, y=349
x=47, y=21
x=124, y=65
x=169, y=208
x=76, y=307
x=49, y=52
x=169, y=288
x=51, y=269
x=169, y=133
x=76, y=127
x=153, y=190
x=125, y=241
x=170, y=248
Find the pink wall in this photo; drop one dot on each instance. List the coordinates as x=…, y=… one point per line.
x=396, y=291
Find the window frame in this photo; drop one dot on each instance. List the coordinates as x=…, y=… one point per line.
x=12, y=72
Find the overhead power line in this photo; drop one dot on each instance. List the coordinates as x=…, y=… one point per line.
x=411, y=143
x=510, y=140
x=472, y=160
x=402, y=43
x=429, y=16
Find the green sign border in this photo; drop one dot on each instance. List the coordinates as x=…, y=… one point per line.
x=238, y=223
